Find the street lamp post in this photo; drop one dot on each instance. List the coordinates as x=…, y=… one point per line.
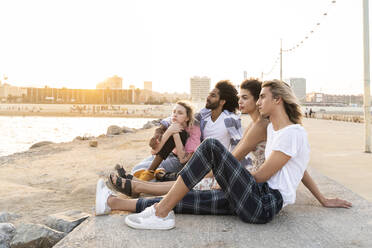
x=367, y=111
x=281, y=58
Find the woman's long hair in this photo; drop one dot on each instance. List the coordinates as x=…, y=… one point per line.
x=291, y=104
x=189, y=112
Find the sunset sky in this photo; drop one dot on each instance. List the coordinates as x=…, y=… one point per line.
x=77, y=44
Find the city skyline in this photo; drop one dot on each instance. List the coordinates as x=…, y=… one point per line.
x=79, y=44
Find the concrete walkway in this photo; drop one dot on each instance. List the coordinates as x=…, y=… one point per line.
x=305, y=224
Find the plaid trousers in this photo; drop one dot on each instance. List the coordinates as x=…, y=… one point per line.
x=240, y=194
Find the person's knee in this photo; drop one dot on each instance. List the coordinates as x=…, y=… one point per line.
x=211, y=142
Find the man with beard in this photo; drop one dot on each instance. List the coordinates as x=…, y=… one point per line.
x=217, y=120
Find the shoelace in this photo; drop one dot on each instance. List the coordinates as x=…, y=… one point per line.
x=148, y=212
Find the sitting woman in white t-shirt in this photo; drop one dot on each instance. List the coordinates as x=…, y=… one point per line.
x=254, y=197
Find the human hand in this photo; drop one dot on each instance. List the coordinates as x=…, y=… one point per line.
x=175, y=128
x=154, y=151
x=336, y=203
x=155, y=141
x=216, y=186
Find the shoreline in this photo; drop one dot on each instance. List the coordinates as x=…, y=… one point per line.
x=67, y=114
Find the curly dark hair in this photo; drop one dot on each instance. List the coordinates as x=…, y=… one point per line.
x=253, y=85
x=228, y=93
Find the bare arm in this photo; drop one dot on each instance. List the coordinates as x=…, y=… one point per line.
x=155, y=140
x=271, y=166
x=183, y=156
x=326, y=202
x=252, y=136
x=174, y=128
x=244, y=136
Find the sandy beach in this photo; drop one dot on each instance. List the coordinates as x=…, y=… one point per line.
x=63, y=176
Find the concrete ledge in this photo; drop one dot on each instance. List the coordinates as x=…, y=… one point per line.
x=305, y=224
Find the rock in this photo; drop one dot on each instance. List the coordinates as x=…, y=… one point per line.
x=66, y=221
x=6, y=217
x=93, y=143
x=148, y=125
x=127, y=130
x=7, y=232
x=101, y=136
x=156, y=122
x=83, y=138
x=42, y=143
x=113, y=130
x=35, y=236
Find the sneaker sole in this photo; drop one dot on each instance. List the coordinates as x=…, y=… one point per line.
x=139, y=226
x=98, y=193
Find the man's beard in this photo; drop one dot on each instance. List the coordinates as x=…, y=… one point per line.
x=211, y=106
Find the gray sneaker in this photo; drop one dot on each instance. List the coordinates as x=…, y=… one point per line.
x=148, y=220
x=102, y=194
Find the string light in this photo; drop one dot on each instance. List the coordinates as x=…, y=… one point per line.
x=273, y=67
x=298, y=44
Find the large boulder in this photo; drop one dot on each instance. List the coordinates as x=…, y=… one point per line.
x=35, y=236
x=66, y=221
x=156, y=122
x=6, y=217
x=148, y=125
x=125, y=129
x=93, y=143
x=42, y=143
x=7, y=231
x=113, y=130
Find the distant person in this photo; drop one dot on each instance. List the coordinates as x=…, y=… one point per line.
x=306, y=112
x=310, y=112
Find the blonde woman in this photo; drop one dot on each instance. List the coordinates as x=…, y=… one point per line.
x=174, y=149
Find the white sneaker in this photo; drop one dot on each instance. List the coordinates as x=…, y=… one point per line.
x=102, y=194
x=148, y=220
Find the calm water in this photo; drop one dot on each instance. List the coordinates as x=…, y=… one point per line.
x=19, y=133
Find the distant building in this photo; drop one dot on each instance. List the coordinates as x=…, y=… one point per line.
x=199, y=88
x=334, y=100
x=78, y=96
x=298, y=86
x=315, y=97
x=132, y=87
x=147, y=85
x=114, y=82
x=7, y=90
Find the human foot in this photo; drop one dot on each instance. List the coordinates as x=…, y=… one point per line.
x=122, y=173
x=117, y=184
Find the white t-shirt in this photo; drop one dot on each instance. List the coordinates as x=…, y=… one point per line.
x=217, y=130
x=292, y=141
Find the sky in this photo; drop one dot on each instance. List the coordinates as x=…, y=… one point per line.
x=79, y=43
